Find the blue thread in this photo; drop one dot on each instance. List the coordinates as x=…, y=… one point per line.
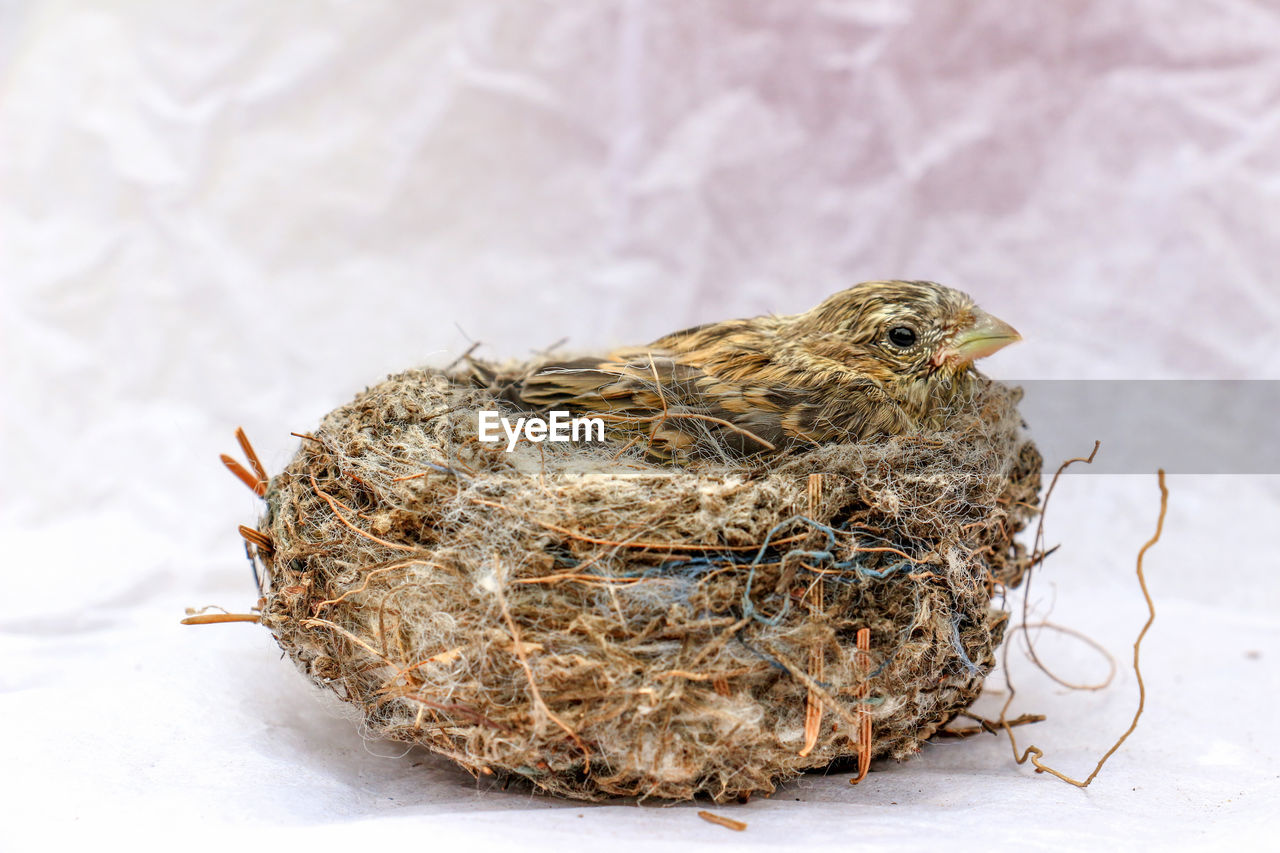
x=686, y=573
x=444, y=469
x=769, y=659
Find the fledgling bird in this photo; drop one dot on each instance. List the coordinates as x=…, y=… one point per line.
x=880, y=358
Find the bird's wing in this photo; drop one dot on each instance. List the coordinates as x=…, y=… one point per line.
x=644, y=382
x=623, y=380
x=662, y=394
x=855, y=410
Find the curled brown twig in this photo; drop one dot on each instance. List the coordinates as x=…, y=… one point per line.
x=1034, y=753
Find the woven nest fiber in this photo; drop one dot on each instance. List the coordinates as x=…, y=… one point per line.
x=602, y=625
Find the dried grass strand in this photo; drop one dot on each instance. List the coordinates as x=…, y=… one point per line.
x=721, y=820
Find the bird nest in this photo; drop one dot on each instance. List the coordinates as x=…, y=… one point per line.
x=600, y=625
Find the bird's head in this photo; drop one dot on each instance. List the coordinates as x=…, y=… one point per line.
x=906, y=328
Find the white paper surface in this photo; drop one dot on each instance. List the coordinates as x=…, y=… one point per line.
x=242, y=213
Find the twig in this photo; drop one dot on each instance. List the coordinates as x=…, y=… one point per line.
x=256, y=537
x=1083, y=637
x=863, y=643
x=251, y=455
x=258, y=480
x=333, y=505
x=813, y=705
x=989, y=726
x=598, y=580
x=351, y=637
x=369, y=577
x=465, y=356
x=255, y=485
x=1037, y=548
x=1034, y=752
x=217, y=618
x=451, y=708
x=726, y=822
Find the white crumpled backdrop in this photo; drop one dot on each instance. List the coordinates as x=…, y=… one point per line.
x=215, y=214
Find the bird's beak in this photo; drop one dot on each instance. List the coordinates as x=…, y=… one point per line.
x=981, y=337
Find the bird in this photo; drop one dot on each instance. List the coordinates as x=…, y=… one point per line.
x=880, y=358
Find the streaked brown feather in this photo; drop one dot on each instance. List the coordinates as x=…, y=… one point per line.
x=822, y=375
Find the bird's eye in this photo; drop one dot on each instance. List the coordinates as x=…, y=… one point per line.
x=902, y=336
